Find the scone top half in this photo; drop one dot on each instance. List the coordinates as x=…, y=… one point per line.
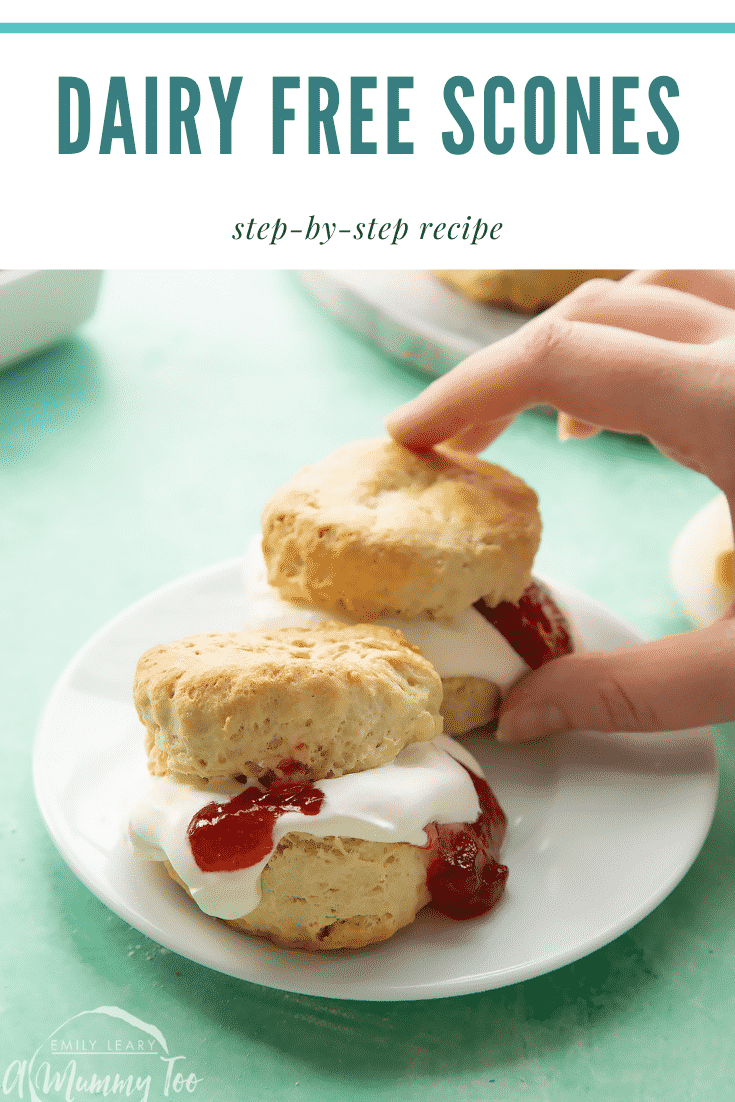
x=375, y=530
x=292, y=703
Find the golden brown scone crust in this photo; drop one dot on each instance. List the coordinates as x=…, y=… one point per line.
x=321, y=894
x=375, y=530
x=469, y=702
x=333, y=698
x=524, y=291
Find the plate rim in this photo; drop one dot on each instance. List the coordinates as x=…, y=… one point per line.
x=447, y=988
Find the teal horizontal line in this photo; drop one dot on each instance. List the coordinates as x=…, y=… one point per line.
x=367, y=28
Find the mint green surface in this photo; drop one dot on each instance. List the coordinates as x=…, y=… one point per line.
x=367, y=28
x=144, y=448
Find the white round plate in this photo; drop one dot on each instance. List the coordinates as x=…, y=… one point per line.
x=692, y=563
x=601, y=829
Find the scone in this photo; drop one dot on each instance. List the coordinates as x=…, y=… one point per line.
x=336, y=829
x=525, y=291
x=375, y=530
x=439, y=545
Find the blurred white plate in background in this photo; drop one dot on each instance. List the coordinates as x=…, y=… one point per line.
x=410, y=315
x=692, y=563
x=38, y=308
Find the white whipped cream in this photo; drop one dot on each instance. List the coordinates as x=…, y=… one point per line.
x=424, y=784
x=467, y=646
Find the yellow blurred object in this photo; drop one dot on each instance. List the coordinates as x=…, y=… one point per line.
x=525, y=291
x=725, y=570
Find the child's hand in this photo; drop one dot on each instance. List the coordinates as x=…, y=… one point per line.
x=653, y=354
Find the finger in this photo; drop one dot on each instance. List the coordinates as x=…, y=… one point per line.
x=656, y=310
x=717, y=286
x=669, y=685
x=568, y=428
x=475, y=438
x=598, y=374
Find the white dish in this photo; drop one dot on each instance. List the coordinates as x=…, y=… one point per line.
x=411, y=315
x=38, y=308
x=600, y=829
x=692, y=563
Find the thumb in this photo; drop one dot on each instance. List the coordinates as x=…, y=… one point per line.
x=669, y=685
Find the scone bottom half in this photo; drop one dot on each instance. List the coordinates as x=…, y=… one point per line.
x=342, y=702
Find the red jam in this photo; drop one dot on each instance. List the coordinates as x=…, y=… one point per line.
x=239, y=833
x=465, y=878
x=535, y=628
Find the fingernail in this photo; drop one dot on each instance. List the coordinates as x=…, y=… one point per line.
x=569, y=428
x=522, y=724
